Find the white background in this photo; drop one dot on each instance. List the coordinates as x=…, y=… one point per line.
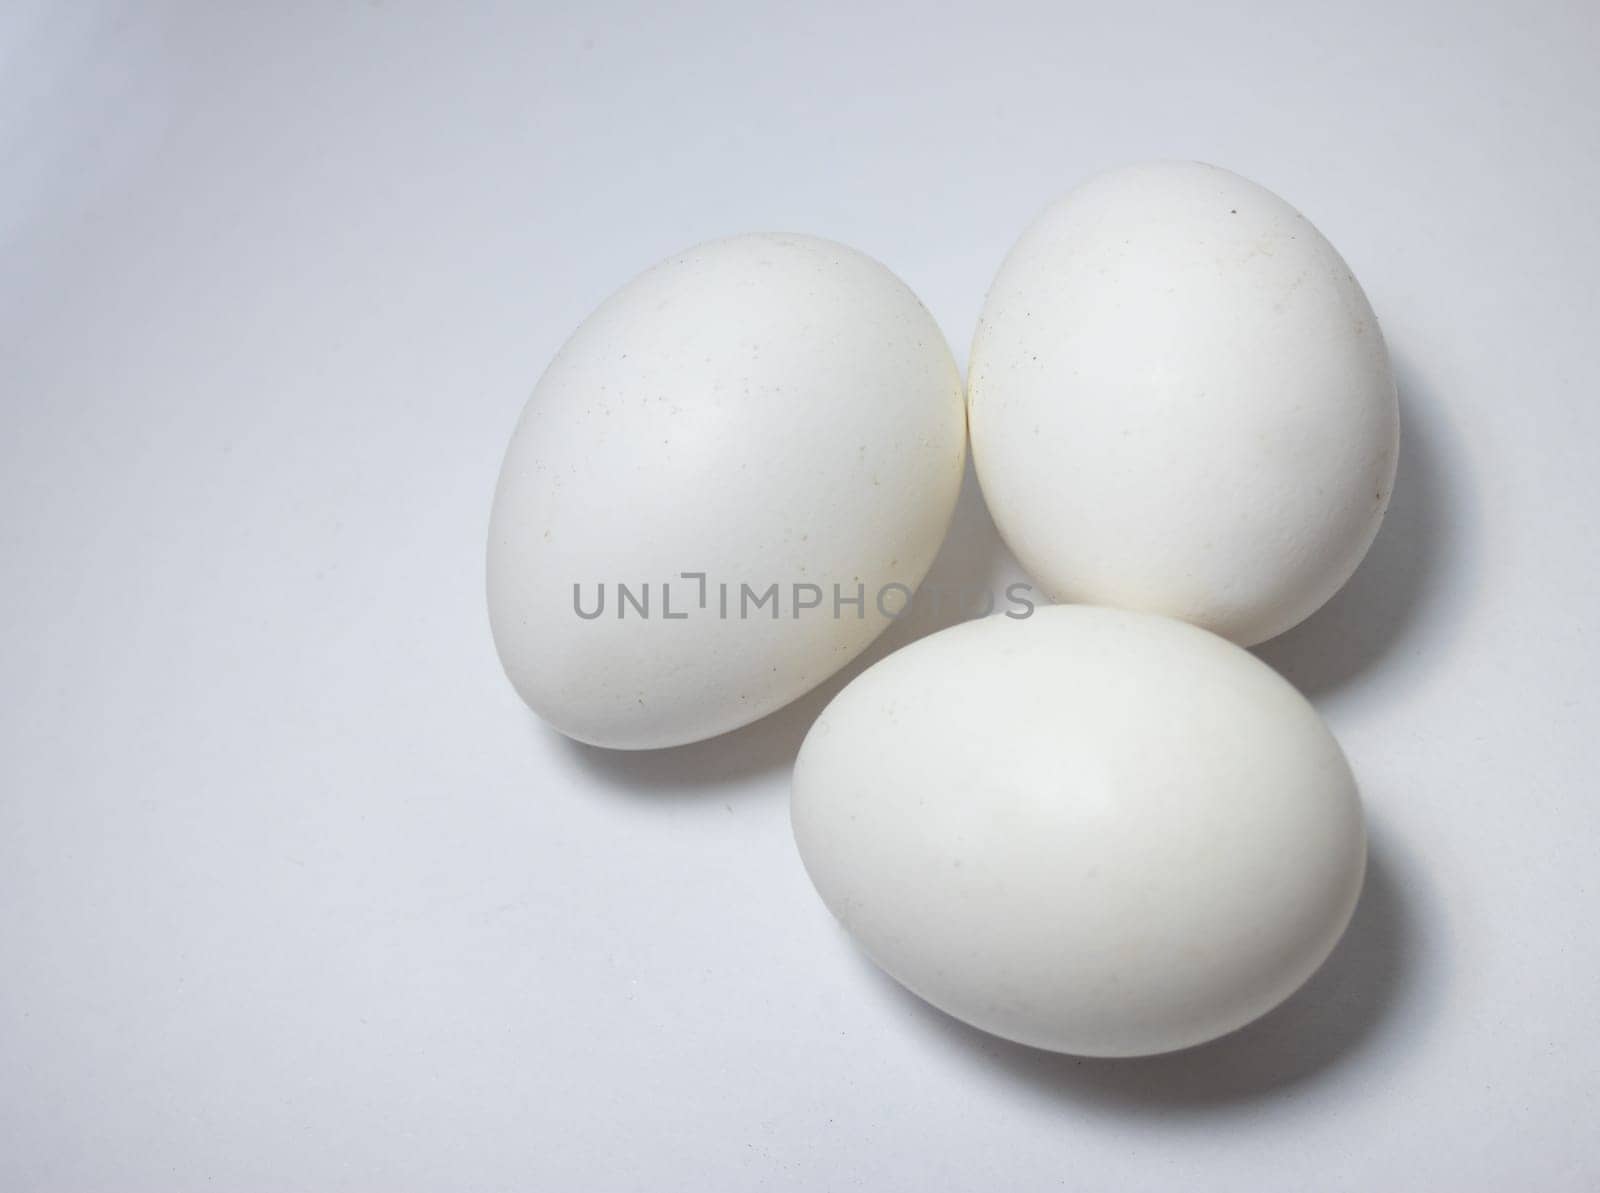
x=294, y=894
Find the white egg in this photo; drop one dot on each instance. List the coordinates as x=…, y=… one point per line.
x=724, y=486
x=1181, y=403
x=1093, y=831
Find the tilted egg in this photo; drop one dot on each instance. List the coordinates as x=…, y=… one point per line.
x=1093, y=831
x=724, y=486
x=1181, y=403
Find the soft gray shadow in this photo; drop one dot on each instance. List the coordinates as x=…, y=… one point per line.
x=971, y=558
x=1405, y=570
x=1335, y=1014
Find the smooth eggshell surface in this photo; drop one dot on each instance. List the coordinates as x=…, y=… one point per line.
x=1093, y=831
x=757, y=411
x=1181, y=402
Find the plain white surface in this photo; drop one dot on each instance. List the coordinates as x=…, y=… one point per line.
x=294, y=893
x=1094, y=831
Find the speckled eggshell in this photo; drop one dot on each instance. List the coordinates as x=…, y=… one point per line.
x=758, y=410
x=1180, y=402
x=1093, y=831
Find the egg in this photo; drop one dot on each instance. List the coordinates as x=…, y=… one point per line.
x=1181, y=403
x=726, y=484
x=1094, y=831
